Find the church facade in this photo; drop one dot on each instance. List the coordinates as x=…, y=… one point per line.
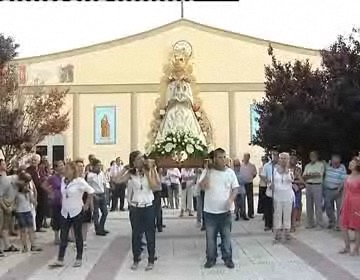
x=114, y=86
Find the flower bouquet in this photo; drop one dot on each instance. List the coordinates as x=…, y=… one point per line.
x=179, y=149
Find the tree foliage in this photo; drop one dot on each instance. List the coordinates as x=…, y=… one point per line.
x=306, y=109
x=27, y=114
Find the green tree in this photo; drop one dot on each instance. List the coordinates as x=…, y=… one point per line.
x=294, y=97
x=27, y=115
x=308, y=109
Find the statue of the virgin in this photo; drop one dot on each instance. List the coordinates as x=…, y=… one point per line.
x=179, y=114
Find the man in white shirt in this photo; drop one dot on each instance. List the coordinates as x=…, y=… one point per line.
x=96, y=179
x=221, y=187
x=174, y=176
x=267, y=176
x=117, y=189
x=314, y=177
x=248, y=173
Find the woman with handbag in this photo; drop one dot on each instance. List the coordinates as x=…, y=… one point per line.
x=267, y=175
x=283, y=197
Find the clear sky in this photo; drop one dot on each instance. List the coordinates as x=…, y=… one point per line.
x=42, y=28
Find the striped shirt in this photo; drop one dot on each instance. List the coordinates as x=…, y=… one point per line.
x=334, y=177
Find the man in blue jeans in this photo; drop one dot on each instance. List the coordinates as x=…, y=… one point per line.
x=221, y=186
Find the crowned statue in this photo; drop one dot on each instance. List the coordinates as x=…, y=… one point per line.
x=178, y=112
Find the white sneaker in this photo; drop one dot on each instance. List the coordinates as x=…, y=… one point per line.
x=77, y=263
x=134, y=266
x=57, y=264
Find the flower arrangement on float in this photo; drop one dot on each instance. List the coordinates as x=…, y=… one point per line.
x=180, y=146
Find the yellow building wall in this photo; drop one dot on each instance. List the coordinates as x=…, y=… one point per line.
x=218, y=58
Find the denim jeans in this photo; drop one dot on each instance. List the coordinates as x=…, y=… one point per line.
x=218, y=223
x=107, y=197
x=332, y=196
x=100, y=204
x=200, y=208
x=240, y=210
x=76, y=223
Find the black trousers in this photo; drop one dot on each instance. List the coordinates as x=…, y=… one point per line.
x=142, y=221
x=118, y=192
x=195, y=203
x=57, y=218
x=249, y=187
x=262, y=197
x=40, y=210
x=76, y=223
x=158, y=210
x=268, y=211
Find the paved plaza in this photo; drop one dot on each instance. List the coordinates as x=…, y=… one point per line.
x=180, y=249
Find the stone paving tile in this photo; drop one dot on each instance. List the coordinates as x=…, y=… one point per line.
x=181, y=250
x=254, y=259
x=328, y=243
x=97, y=246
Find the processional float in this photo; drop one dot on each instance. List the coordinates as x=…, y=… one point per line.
x=181, y=134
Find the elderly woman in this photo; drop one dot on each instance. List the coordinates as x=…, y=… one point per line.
x=41, y=205
x=283, y=197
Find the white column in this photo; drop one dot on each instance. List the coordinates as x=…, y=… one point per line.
x=76, y=125
x=233, y=151
x=67, y=135
x=134, y=122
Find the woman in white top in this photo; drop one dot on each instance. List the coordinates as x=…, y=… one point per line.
x=73, y=188
x=174, y=176
x=141, y=177
x=283, y=197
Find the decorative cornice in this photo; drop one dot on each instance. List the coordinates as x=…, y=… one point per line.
x=153, y=88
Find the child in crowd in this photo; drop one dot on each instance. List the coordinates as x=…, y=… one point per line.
x=23, y=205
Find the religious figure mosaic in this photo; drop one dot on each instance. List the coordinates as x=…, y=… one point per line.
x=105, y=125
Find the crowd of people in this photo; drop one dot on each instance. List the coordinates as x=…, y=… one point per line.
x=74, y=196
